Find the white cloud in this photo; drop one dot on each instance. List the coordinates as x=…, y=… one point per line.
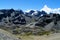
x=48, y=10
x=29, y=10
x=57, y=10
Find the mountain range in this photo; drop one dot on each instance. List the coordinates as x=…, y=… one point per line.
x=11, y=18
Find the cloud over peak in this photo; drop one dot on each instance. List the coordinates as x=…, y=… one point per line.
x=48, y=10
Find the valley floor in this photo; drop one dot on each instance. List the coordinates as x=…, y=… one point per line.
x=55, y=36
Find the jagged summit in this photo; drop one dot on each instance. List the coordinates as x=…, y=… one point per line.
x=46, y=9
x=50, y=10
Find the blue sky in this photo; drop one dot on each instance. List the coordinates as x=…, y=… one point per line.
x=28, y=4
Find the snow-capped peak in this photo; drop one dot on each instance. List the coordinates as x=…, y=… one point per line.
x=46, y=9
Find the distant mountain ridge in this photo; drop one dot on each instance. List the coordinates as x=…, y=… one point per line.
x=12, y=19
x=17, y=16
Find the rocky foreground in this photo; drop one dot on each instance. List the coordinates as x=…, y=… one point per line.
x=7, y=36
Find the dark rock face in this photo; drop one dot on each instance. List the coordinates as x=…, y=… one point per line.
x=32, y=11
x=46, y=19
x=16, y=16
